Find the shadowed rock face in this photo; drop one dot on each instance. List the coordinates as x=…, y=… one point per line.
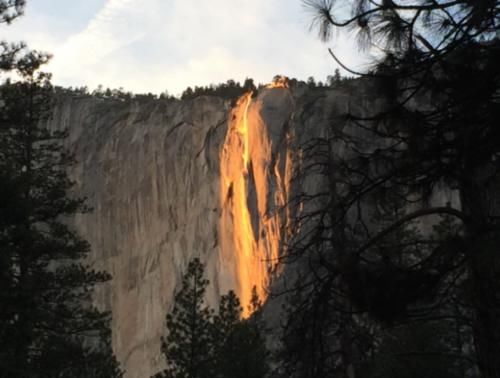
x=151, y=171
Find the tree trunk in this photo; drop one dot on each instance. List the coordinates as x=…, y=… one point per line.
x=486, y=324
x=479, y=200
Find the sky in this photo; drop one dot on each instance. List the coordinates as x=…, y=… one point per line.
x=158, y=45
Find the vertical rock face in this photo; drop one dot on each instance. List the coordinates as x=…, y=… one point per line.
x=163, y=178
x=150, y=172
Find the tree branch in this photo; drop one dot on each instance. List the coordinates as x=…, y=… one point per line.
x=414, y=215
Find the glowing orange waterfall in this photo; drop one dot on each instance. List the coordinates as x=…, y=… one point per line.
x=251, y=227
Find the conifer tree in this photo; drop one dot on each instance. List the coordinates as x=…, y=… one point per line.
x=431, y=128
x=187, y=346
x=201, y=344
x=48, y=326
x=240, y=350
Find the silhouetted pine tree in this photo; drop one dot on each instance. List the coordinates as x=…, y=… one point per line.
x=240, y=350
x=48, y=326
x=188, y=345
x=433, y=125
x=201, y=344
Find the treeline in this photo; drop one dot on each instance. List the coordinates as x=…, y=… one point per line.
x=332, y=81
x=231, y=89
x=108, y=93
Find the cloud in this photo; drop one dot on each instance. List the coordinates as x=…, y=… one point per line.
x=153, y=45
x=107, y=32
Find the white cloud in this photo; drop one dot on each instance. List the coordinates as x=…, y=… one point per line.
x=107, y=32
x=153, y=45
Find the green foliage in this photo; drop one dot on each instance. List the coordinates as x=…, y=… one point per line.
x=48, y=325
x=10, y=52
x=10, y=10
x=230, y=90
x=46, y=301
x=187, y=344
x=249, y=85
x=311, y=82
x=335, y=80
x=201, y=344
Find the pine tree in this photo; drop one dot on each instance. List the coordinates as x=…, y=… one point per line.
x=432, y=125
x=229, y=314
x=249, y=85
x=10, y=52
x=246, y=355
x=188, y=344
x=240, y=350
x=48, y=325
x=224, y=343
x=201, y=344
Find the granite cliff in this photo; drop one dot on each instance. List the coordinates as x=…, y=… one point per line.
x=169, y=180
